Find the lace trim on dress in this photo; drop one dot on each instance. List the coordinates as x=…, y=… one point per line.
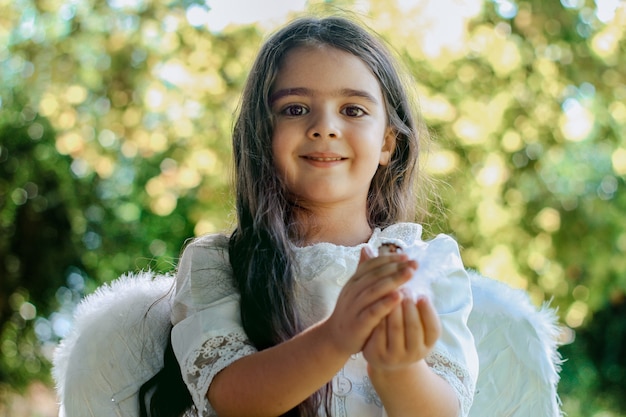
x=456, y=375
x=214, y=355
x=337, y=262
x=405, y=233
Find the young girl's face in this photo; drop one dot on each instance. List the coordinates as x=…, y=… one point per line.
x=330, y=129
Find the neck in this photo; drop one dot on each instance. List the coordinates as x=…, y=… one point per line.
x=340, y=227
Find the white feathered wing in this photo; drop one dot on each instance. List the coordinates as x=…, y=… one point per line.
x=516, y=345
x=116, y=344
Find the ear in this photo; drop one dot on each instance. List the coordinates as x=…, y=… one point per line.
x=389, y=144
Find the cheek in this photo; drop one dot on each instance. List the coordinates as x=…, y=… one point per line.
x=279, y=155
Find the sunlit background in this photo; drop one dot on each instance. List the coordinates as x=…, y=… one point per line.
x=115, y=122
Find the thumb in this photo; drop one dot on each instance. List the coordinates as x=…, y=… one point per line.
x=366, y=253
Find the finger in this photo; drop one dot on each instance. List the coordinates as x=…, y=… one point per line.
x=413, y=330
x=365, y=290
x=380, y=345
x=430, y=321
x=369, y=263
x=373, y=313
x=375, y=268
x=395, y=330
x=372, y=348
x=377, y=300
x=385, y=278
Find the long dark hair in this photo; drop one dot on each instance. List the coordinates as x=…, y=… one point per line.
x=260, y=251
x=260, y=246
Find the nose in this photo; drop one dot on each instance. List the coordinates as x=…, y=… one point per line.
x=324, y=126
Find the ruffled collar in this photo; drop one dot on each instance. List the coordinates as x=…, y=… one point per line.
x=330, y=262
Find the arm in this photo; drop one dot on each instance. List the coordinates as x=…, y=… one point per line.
x=401, y=396
x=277, y=379
x=396, y=365
x=449, y=353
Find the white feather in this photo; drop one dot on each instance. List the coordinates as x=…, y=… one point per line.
x=517, y=350
x=116, y=344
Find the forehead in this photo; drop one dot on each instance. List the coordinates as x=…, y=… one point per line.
x=325, y=69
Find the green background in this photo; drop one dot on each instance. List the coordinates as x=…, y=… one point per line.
x=115, y=149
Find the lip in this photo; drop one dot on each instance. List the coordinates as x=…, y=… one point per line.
x=322, y=159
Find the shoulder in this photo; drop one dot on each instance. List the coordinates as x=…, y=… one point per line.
x=205, y=250
x=204, y=272
x=208, y=242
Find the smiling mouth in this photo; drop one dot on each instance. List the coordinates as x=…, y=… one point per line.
x=323, y=159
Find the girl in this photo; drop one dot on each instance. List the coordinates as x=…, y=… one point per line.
x=293, y=314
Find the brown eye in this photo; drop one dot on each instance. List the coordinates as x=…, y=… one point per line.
x=353, y=111
x=295, y=110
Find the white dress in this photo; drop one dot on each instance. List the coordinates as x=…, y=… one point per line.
x=208, y=336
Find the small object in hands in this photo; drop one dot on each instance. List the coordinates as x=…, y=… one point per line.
x=419, y=285
x=389, y=248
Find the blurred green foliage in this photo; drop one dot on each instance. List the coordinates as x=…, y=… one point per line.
x=114, y=149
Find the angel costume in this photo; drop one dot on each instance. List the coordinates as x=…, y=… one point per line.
x=121, y=330
x=208, y=335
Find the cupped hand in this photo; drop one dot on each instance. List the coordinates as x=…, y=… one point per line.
x=371, y=294
x=405, y=336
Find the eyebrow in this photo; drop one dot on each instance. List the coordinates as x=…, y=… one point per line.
x=306, y=92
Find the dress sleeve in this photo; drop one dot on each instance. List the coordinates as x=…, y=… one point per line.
x=454, y=357
x=207, y=335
